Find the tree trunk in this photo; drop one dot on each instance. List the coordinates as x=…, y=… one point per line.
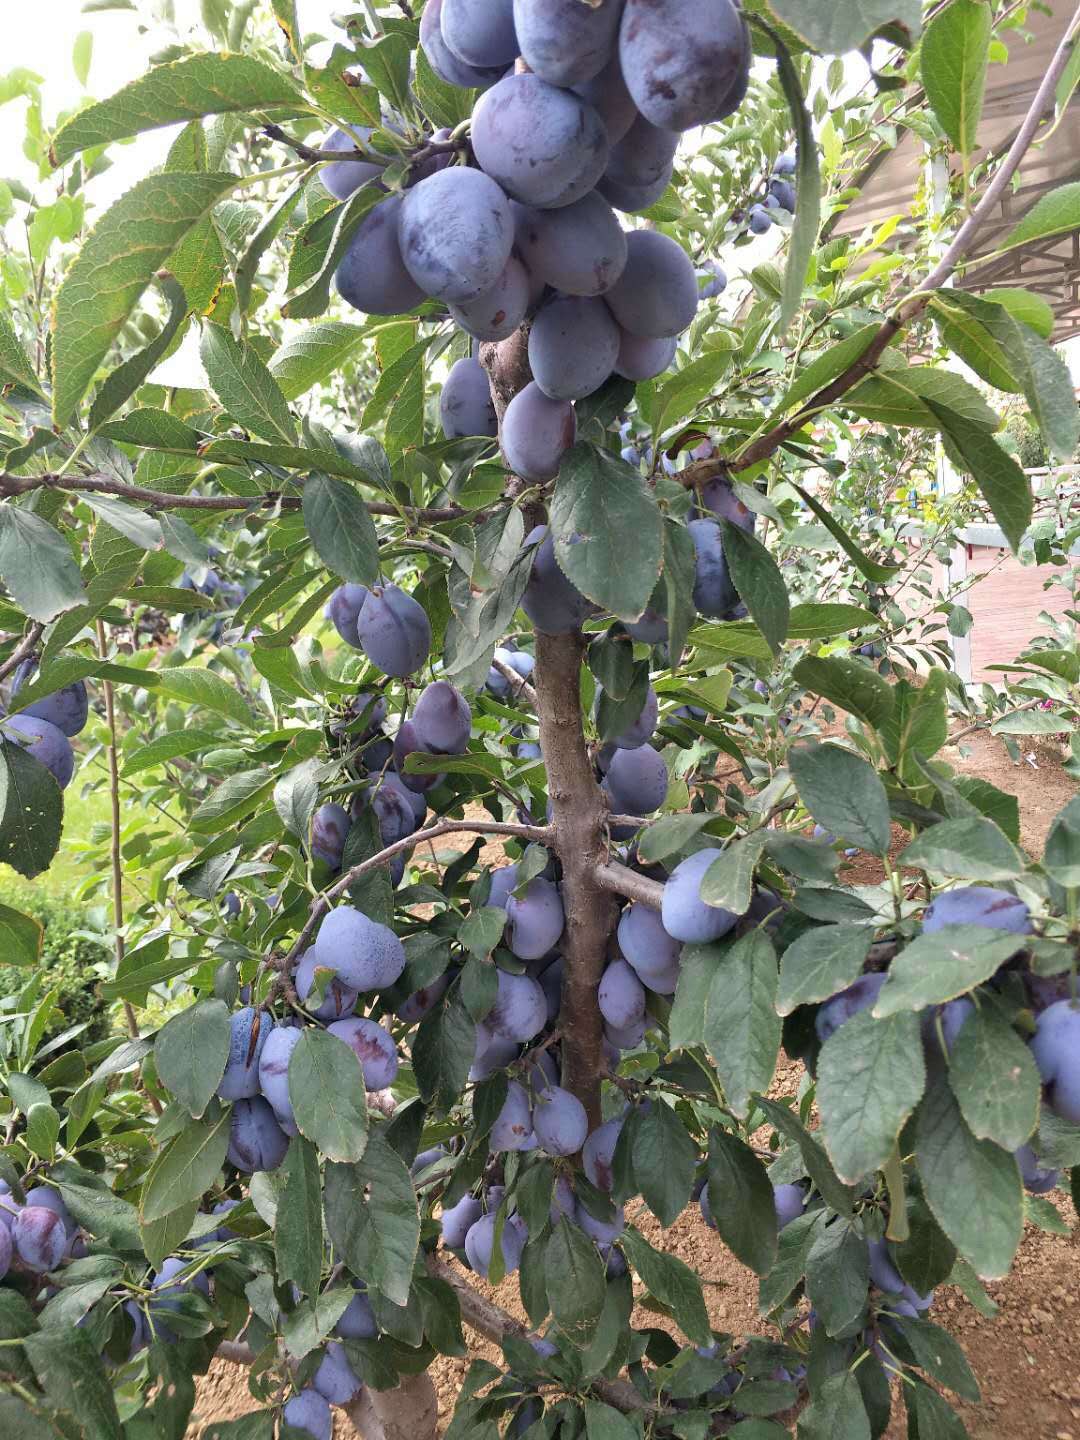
x=409, y=1412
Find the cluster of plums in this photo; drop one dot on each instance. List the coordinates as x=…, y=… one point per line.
x=45, y=728
x=580, y=115
x=779, y=196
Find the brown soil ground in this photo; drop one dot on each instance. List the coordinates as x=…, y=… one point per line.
x=1025, y=1358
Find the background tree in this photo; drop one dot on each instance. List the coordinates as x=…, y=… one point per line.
x=592, y=624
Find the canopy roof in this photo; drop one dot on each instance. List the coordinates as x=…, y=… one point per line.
x=1050, y=268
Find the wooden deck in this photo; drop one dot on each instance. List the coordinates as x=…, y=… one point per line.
x=1006, y=604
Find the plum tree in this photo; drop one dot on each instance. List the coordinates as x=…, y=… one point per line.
x=858, y=996
x=358, y=1319
x=407, y=742
x=394, y=631
x=365, y=954
x=608, y=95
x=536, y=433
x=274, y=1071
x=458, y=1220
x=544, y=146
x=456, y=232
x=643, y=359
x=372, y=276
x=684, y=914
x=249, y=1030
x=39, y=1237
x=308, y=1412
x=714, y=594
x=335, y=1379
x=646, y=944
x=656, y=296
x=579, y=249
x=48, y=745
x=573, y=346
x=760, y=220
x=67, y=708
x=598, y=1153
x=685, y=66
x=1056, y=1048
x=343, y=611
x=465, y=406
x=1038, y=1179
x=643, y=728
x=640, y=163
x=373, y=1046
x=560, y=1122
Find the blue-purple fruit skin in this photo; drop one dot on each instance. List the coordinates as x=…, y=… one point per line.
x=536, y=919
x=628, y=1038
x=256, y=1140
x=248, y=1032
x=373, y=1046
x=391, y=800
x=520, y=1010
x=552, y=603
x=1056, y=1048
x=358, y=1320
x=621, y=996
x=448, y=66
x=604, y=1232
x=309, y=1411
x=760, y=220
x=978, y=905
x=1037, y=1178
x=40, y=1239
x=343, y=177
x=456, y=233
x=860, y=995
x=784, y=192
x=274, y=1069
x=579, y=249
x=789, y=1203
x=51, y=1199
x=536, y=433
x=372, y=277
x=685, y=64
x=168, y=1291
x=645, y=943
x=7, y=1249
x=513, y=1127
x=480, y=1244
x=48, y=745
x=335, y=1379
x=68, y=709
x=886, y=1277
x=643, y=158
x=443, y=719
x=543, y=145
x=643, y=728
x=497, y=313
x=608, y=95
x=636, y=781
x=684, y=914
x=719, y=498
x=493, y=1052
x=943, y=1023
x=564, y=42
x=560, y=1121
x=643, y=359
x=716, y=280
x=365, y=954
x=329, y=830
x=598, y=1153
x=421, y=1002
x=408, y=742
x=394, y=631
x=573, y=346
x=501, y=883
x=465, y=404
x=459, y=1220
x=714, y=594
x=481, y=32
x=343, y=611
x=656, y=296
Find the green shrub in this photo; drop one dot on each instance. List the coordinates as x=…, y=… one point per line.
x=69, y=956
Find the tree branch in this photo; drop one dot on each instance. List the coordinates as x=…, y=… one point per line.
x=13, y=485
x=518, y=683
x=617, y=879
x=910, y=309
x=25, y=648
x=542, y=834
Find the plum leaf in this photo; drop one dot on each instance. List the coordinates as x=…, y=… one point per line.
x=871, y=1075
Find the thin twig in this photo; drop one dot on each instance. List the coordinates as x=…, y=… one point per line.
x=980, y=723
x=518, y=683
x=25, y=647
x=542, y=834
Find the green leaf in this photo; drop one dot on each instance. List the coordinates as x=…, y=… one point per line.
x=186, y=1168
x=995, y=1080
x=954, y=59
x=372, y=1220
x=682, y=391
x=665, y=1158
x=940, y=1356
x=245, y=386
x=208, y=691
x=825, y=368
x=686, y=1024
x=312, y=1321
x=833, y=29
x=248, y=266
x=843, y=793
x=314, y=355
x=672, y=1282
x=69, y=1370
x=838, y=1276
x=318, y=251
x=847, y=683
x=1055, y=214
x=81, y=55
x=14, y=361
x=31, y=811
x=127, y=246
x=1002, y=483
x=795, y=1242
x=37, y=566
x=872, y=569
x=973, y=848
x=728, y=882
x=915, y=396
x=871, y=1075
x=944, y=965
x=119, y=387
x=742, y=1028
x=575, y=1282
x=191, y=1052
x=341, y=529
x=20, y=937
x=670, y=834
x=599, y=500
x=807, y=222
x=741, y=1201
x=926, y=1258
x=135, y=525
x=182, y=90
x=326, y=1089
x=756, y=577
x=443, y=1051
x=972, y=1186
x=837, y=1411
x=820, y=963
x=1061, y=857
x=818, y=1165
